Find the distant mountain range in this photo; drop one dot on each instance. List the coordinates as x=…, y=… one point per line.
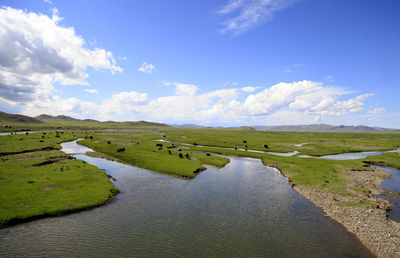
x=6, y=118
x=21, y=119
x=13, y=118
x=319, y=128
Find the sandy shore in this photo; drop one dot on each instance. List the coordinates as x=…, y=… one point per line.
x=370, y=224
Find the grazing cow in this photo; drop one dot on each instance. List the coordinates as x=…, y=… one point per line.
x=26, y=133
x=41, y=141
x=42, y=136
x=197, y=171
x=266, y=146
x=108, y=142
x=179, y=149
x=187, y=155
x=164, y=136
x=91, y=137
x=57, y=135
x=159, y=145
x=208, y=154
x=121, y=150
x=180, y=155
x=169, y=152
x=235, y=148
x=195, y=144
x=159, y=148
x=244, y=141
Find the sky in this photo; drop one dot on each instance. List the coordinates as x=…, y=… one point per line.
x=212, y=63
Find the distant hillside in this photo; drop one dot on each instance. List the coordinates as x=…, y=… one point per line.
x=47, y=118
x=13, y=118
x=319, y=128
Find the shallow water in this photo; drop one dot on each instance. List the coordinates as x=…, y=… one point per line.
x=392, y=184
x=242, y=210
x=356, y=155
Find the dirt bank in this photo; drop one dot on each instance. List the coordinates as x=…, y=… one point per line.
x=361, y=213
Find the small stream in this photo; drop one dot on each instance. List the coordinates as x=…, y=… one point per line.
x=245, y=209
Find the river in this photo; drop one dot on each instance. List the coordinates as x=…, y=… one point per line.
x=245, y=209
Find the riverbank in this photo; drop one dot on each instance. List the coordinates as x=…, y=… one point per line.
x=367, y=220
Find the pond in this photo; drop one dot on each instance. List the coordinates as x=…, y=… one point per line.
x=245, y=209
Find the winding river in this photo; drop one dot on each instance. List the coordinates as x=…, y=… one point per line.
x=242, y=210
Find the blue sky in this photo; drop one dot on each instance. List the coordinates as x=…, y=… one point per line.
x=239, y=62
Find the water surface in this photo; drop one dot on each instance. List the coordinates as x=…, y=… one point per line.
x=393, y=186
x=243, y=210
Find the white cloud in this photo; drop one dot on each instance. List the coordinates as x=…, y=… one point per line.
x=36, y=51
x=48, y=1
x=298, y=65
x=245, y=14
x=91, y=90
x=146, y=68
x=183, y=88
x=283, y=103
x=376, y=111
x=249, y=89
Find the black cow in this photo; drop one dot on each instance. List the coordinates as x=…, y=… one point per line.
x=208, y=154
x=266, y=146
x=195, y=144
x=187, y=155
x=159, y=145
x=180, y=155
x=121, y=150
x=197, y=171
x=91, y=137
x=108, y=142
x=169, y=152
x=244, y=141
x=235, y=148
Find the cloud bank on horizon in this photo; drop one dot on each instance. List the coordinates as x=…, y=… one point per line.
x=36, y=52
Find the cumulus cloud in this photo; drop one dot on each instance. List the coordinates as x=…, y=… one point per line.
x=36, y=51
x=376, y=111
x=183, y=89
x=282, y=103
x=91, y=90
x=246, y=14
x=146, y=68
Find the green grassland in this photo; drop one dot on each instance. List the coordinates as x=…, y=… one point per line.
x=35, y=184
x=141, y=151
x=320, y=143
x=37, y=180
x=17, y=143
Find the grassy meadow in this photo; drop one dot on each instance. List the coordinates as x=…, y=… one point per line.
x=37, y=180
